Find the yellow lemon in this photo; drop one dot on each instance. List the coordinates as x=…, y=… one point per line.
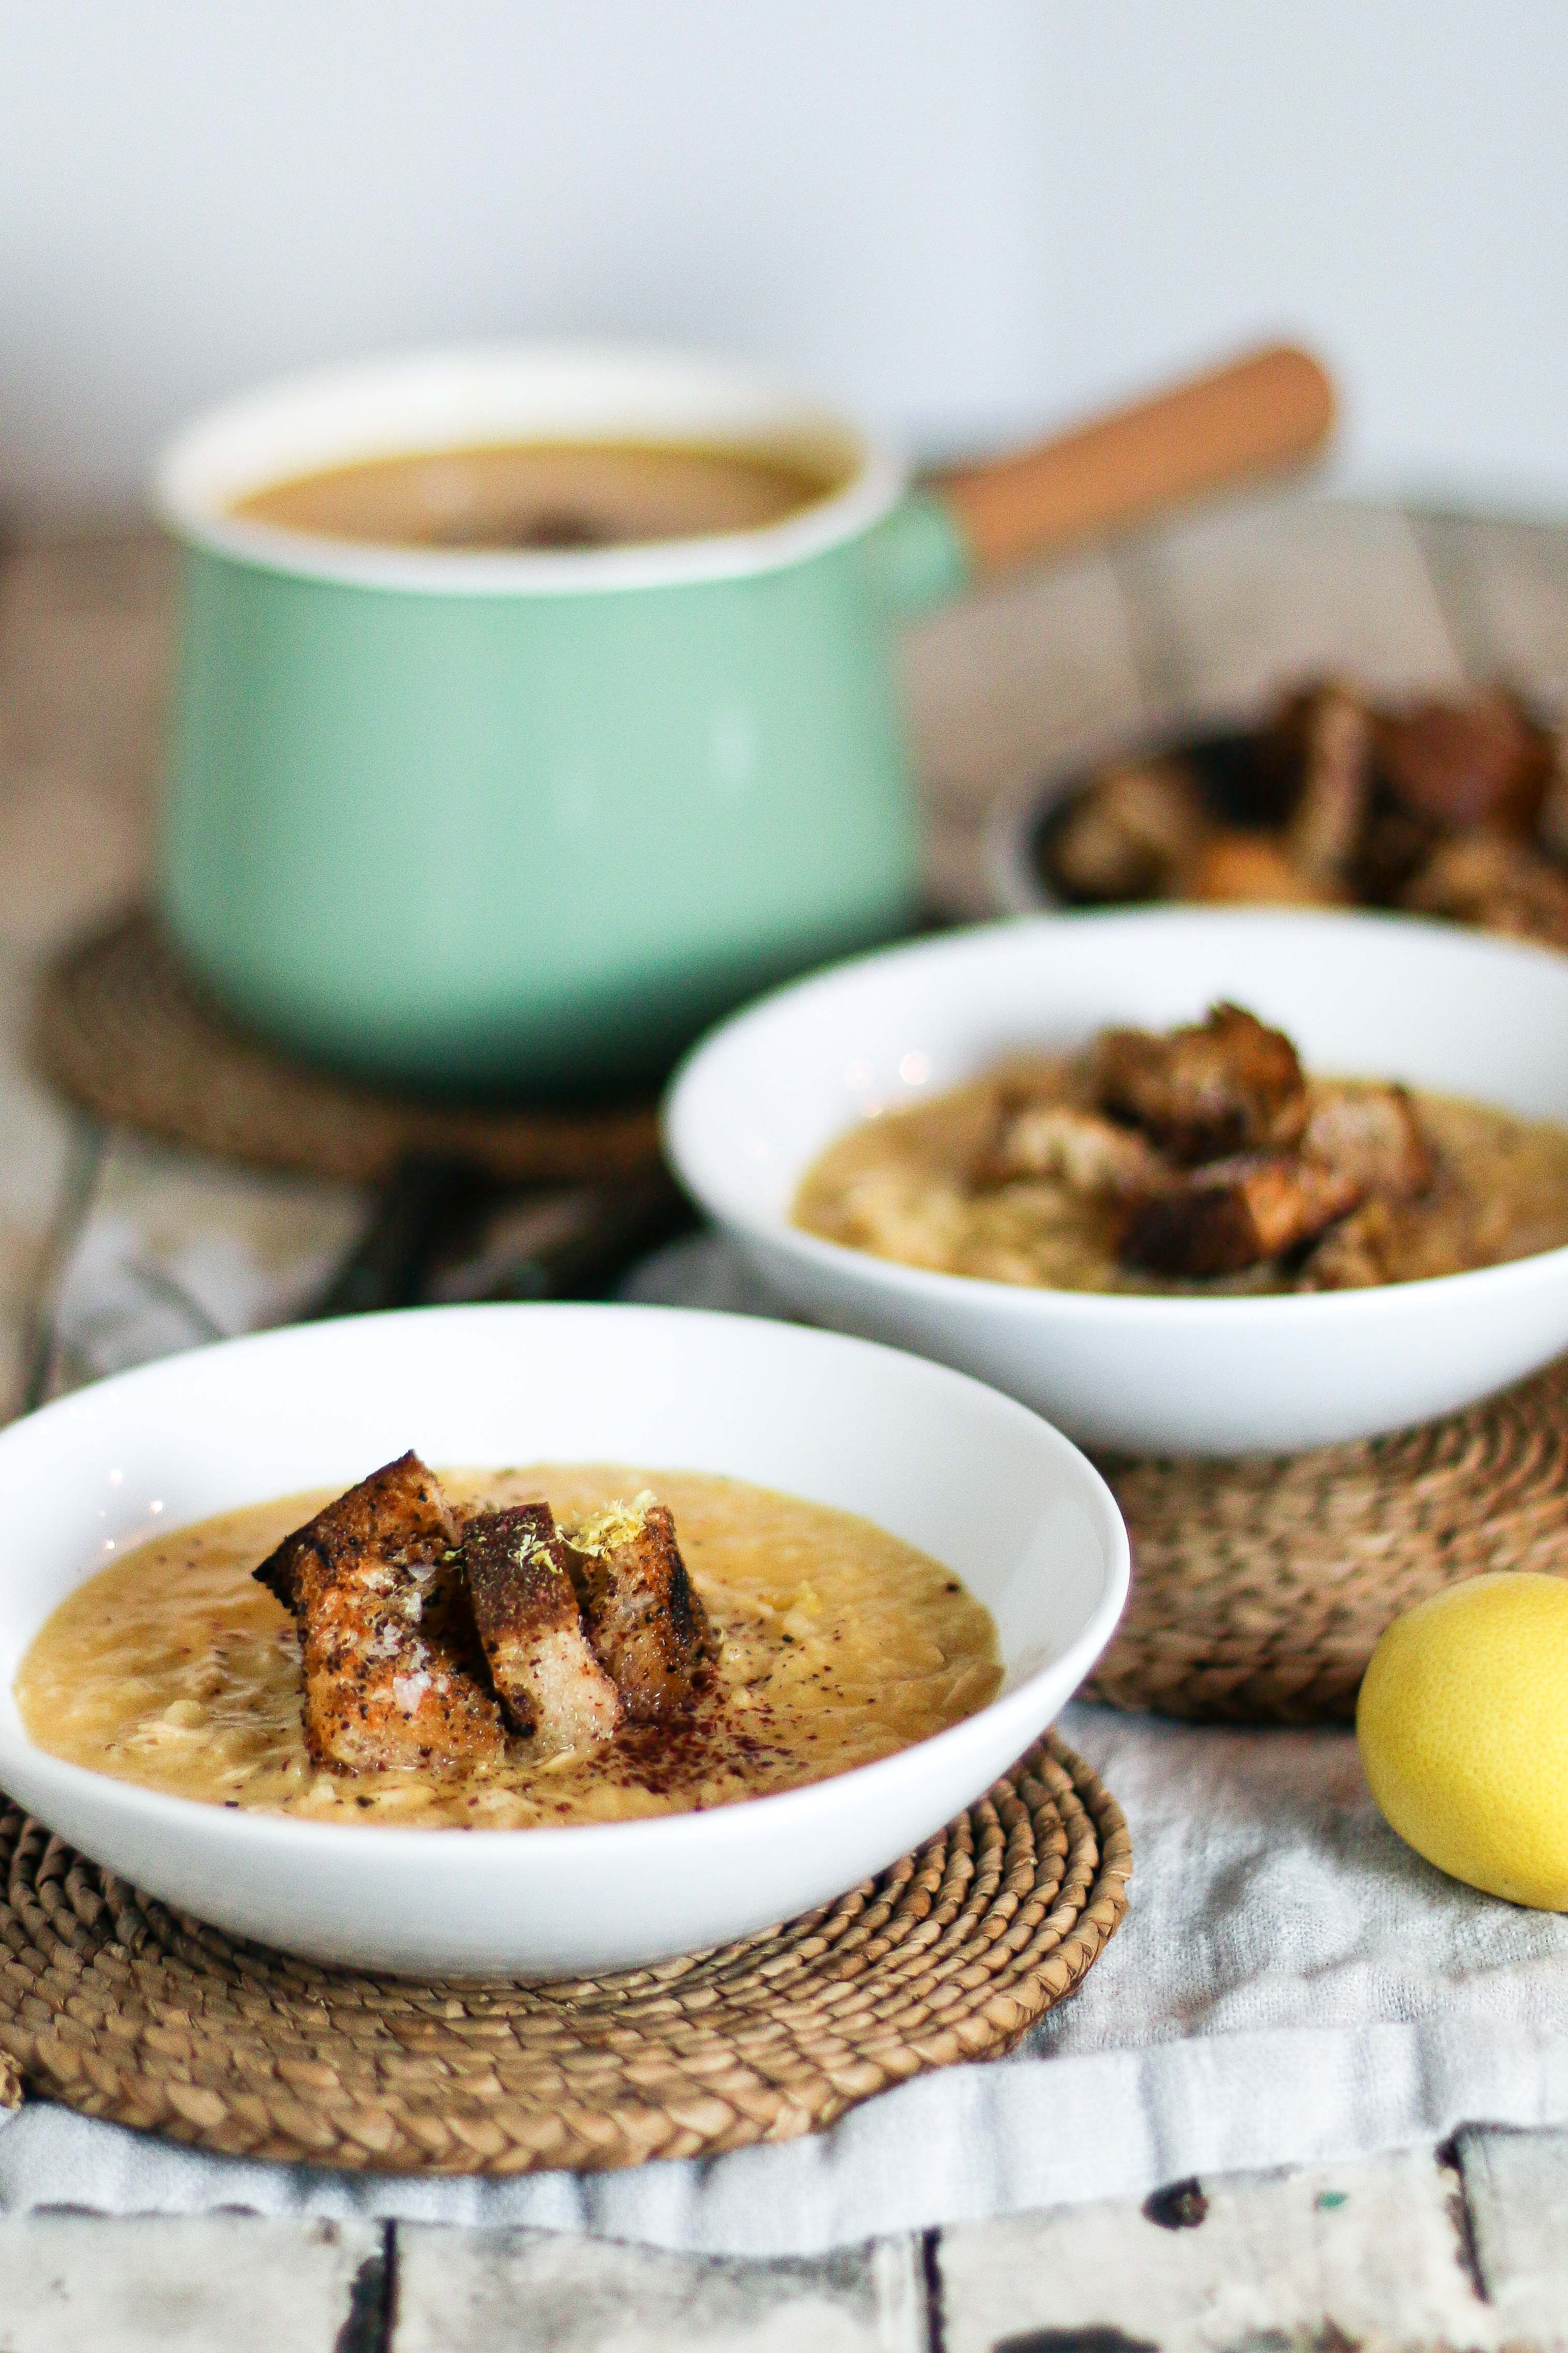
x=1463, y=1726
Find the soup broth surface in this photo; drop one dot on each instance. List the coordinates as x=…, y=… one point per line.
x=838, y=1645
x=540, y=495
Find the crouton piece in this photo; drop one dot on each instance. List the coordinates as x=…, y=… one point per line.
x=1496, y=883
x=391, y=1662
x=1230, y=868
x=399, y=1512
x=1455, y=765
x=531, y=1623
x=1235, y=1213
x=1394, y=849
x=1087, y=1153
x=1335, y=732
x=1354, y=1255
x=1371, y=1134
x=1125, y=833
x=1230, y=1085
x=644, y=1619
x=1552, y=828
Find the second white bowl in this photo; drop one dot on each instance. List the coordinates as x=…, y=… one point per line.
x=1383, y=996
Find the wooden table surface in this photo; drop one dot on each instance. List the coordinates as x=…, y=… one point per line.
x=101, y=1236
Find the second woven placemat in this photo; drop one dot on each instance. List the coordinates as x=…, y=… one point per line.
x=1259, y=1588
x=119, y=2007
x=126, y=1032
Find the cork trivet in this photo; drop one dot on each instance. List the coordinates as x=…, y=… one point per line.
x=122, y=2009
x=126, y=1032
x=1259, y=1588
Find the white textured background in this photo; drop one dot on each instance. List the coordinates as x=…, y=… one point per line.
x=962, y=216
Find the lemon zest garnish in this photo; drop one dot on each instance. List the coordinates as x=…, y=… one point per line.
x=617, y=1524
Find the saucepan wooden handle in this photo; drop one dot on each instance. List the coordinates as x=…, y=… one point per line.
x=1264, y=413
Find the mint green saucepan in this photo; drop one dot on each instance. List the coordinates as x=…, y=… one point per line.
x=528, y=821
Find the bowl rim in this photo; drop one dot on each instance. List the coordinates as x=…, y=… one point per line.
x=781, y=1808
x=1023, y=1300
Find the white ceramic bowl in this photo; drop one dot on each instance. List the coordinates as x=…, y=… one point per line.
x=1379, y=995
x=965, y=1474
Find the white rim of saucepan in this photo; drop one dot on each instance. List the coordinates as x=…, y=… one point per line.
x=443, y=399
x=711, y=1176
x=777, y=1811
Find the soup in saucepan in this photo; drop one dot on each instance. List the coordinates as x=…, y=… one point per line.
x=546, y=494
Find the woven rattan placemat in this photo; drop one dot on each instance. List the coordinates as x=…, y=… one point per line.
x=123, y=1029
x=1259, y=1588
x=122, y=2009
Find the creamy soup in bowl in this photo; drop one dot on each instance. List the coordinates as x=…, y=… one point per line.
x=1199, y=1162
x=1141, y=1368
x=811, y=1479
x=829, y=1644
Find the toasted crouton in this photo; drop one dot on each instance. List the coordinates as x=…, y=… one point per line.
x=1127, y=832
x=1369, y=1133
x=531, y=1623
x=644, y=1619
x=386, y=1639
x=1333, y=727
x=1355, y=1254
x=1233, y=868
x=1227, y=1085
x=1499, y=884
x=1080, y=1149
x=1482, y=761
x=1235, y=1213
